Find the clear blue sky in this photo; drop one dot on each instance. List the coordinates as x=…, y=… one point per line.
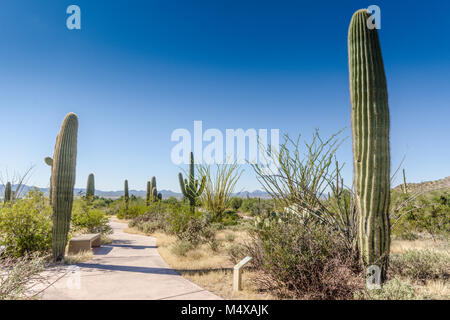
x=140, y=69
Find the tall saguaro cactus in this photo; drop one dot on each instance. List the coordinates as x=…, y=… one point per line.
x=62, y=183
x=90, y=188
x=191, y=189
x=8, y=193
x=370, y=129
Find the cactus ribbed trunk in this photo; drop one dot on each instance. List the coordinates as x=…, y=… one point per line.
x=370, y=128
x=90, y=188
x=8, y=193
x=63, y=182
x=148, y=193
x=126, y=195
x=191, y=189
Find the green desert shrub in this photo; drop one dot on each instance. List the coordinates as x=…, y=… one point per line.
x=394, y=289
x=26, y=226
x=236, y=203
x=429, y=213
x=182, y=247
x=421, y=265
x=87, y=219
x=230, y=218
x=134, y=208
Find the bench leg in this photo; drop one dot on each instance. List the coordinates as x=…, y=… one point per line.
x=96, y=242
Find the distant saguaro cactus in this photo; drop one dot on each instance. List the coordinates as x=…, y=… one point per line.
x=63, y=181
x=152, y=194
x=148, y=193
x=126, y=195
x=191, y=189
x=90, y=188
x=370, y=129
x=8, y=193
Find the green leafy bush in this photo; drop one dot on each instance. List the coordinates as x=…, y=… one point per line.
x=88, y=219
x=236, y=203
x=26, y=226
x=421, y=265
x=182, y=247
x=429, y=213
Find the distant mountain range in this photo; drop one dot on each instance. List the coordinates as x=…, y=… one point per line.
x=139, y=193
x=422, y=186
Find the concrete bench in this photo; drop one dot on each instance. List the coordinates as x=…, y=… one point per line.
x=84, y=242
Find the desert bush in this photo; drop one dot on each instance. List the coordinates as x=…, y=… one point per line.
x=238, y=251
x=182, y=247
x=18, y=275
x=394, y=289
x=230, y=218
x=135, y=208
x=425, y=213
x=421, y=265
x=236, y=203
x=304, y=260
x=230, y=237
x=26, y=226
x=88, y=219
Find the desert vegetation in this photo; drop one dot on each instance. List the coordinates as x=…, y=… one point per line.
x=314, y=238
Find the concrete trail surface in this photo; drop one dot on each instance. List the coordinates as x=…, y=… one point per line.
x=128, y=268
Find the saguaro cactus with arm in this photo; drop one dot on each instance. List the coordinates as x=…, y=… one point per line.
x=370, y=129
x=62, y=183
x=191, y=189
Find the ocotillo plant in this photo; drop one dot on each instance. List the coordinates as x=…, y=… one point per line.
x=405, y=186
x=90, y=188
x=63, y=181
x=370, y=129
x=49, y=162
x=126, y=196
x=8, y=193
x=191, y=189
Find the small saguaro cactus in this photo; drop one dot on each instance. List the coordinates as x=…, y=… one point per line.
x=191, y=189
x=62, y=183
x=126, y=195
x=152, y=194
x=8, y=193
x=370, y=130
x=90, y=188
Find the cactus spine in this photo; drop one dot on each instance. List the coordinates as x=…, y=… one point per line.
x=370, y=128
x=90, y=188
x=8, y=193
x=191, y=189
x=63, y=181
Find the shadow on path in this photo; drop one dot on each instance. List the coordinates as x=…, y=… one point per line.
x=109, y=267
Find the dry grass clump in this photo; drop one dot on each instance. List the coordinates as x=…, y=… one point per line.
x=79, y=257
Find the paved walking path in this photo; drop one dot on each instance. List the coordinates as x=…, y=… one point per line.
x=128, y=268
